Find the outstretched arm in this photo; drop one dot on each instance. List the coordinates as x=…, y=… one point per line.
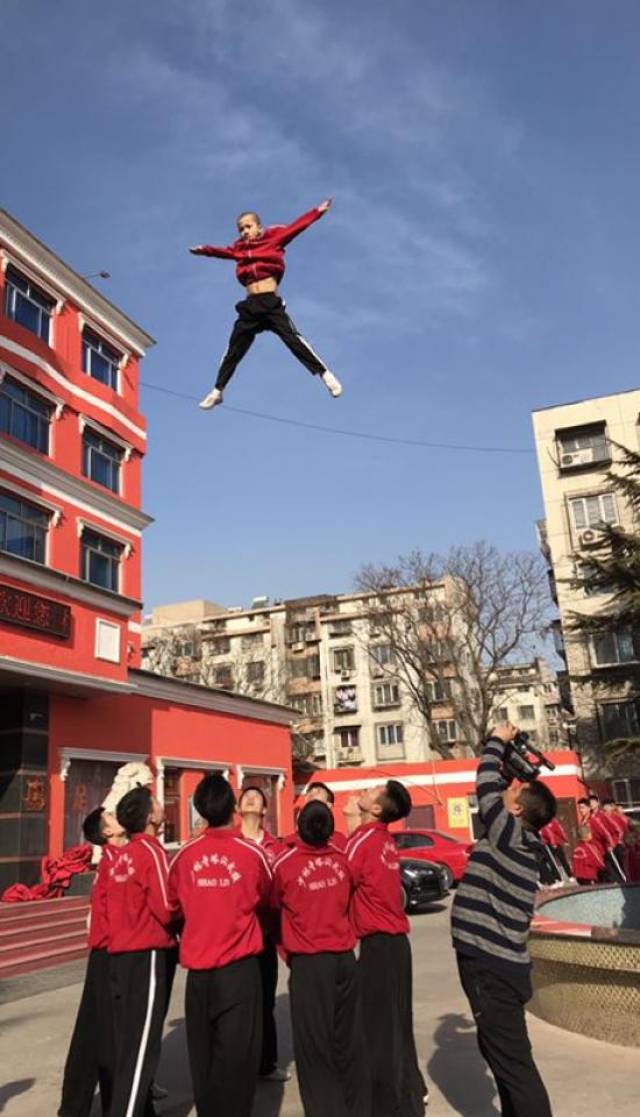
x=212, y=250
x=500, y=824
x=286, y=233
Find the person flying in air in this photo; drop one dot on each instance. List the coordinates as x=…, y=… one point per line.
x=259, y=255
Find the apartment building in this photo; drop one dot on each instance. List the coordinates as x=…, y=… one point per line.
x=321, y=655
x=576, y=446
x=527, y=694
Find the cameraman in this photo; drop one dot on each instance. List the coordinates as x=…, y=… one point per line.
x=490, y=922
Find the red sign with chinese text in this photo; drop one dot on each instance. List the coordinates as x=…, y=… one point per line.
x=31, y=611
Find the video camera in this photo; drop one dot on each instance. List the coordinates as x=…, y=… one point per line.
x=523, y=761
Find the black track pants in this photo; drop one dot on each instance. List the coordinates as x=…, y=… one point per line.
x=91, y=1056
x=223, y=1011
x=498, y=1003
x=327, y=1035
x=385, y=981
x=256, y=314
x=141, y=983
x=268, y=962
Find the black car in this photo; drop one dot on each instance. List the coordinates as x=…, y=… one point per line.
x=422, y=882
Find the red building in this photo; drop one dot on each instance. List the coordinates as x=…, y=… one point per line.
x=74, y=704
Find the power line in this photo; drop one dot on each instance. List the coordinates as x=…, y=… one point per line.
x=343, y=432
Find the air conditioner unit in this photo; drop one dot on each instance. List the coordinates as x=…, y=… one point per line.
x=377, y=671
x=579, y=457
x=590, y=538
x=298, y=646
x=346, y=675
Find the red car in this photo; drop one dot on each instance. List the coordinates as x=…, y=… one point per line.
x=433, y=845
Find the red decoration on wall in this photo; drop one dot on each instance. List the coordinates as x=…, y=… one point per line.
x=28, y=610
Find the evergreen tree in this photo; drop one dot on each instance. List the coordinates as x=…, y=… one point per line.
x=613, y=572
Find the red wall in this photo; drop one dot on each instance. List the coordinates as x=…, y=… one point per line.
x=160, y=729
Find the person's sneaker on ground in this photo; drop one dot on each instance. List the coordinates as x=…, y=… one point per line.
x=278, y=1074
x=212, y=399
x=332, y=384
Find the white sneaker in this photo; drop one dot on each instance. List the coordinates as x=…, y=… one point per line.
x=331, y=383
x=212, y=400
x=278, y=1074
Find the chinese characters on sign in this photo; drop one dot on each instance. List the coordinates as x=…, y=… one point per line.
x=35, y=795
x=28, y=610
x=458, y=813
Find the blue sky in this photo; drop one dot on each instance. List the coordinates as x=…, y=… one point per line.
x=480, y=259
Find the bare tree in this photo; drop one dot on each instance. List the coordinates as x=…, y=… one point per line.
x=449, y=622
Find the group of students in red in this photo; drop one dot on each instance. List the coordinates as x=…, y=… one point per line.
x=607, y=851
x=231, y=896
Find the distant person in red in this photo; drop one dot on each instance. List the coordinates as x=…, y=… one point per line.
x=259, y=255
x=620, y=823
x=91, y=1057
x=312, y=888
x=605, y=831
x=142, y=949
x=588, y=859
x=252, y=811
x=555, y=839
x=217, y=883
x=384, y=966
x=321, y=793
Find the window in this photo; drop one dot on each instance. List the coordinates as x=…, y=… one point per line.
x=390, y=741
x=223, y=676
x=583, y=445
x=99, y=360
x=412, y=841
x=440, y=690
x=526, y=713
x=345, y=700
x=220, y=646
x=256, y=671
x=619, y=719
x=591, y=511
x=313, y=666
x=27, y=305
x=622, y=646
x=386, y=694
x=101, y=460
x=383, y=655
x=343, y=659
x=626, y=792
x=185, y=648
x=23, y=528
x=502, y=714
x=100, y=560
x=24, y=415
x=340, y=628
x=435, y=651
x=347, y=738
x=298, y=669
x=253, y=640
x=446, y=729
x=308, y=704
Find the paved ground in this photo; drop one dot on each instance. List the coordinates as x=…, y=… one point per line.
x=583, y=1076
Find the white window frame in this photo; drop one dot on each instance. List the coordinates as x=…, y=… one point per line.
x=580, y=502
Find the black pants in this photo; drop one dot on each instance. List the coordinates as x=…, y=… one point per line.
x=91, y=1056
x=223, y=1011
x=328, y=1042
x=386, y=999
x=554, y=866
x=497, y=1003
x=268, y=963
x=141, y=982
x=256, y=314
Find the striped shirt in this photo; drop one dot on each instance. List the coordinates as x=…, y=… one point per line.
x=495, y=899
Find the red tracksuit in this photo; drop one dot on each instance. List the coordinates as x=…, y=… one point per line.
x=337, y=839
x=91, y=1055
x=588, y=861
x=217, y=882
x=312, y=886
x=603, y=831
x=385, y=972
x=142, y=950
x=262, y=257
x=554, y=834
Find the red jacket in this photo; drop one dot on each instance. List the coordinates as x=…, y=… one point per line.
x=620, y=823
x=262, y=257
x=98, y=932
x=337, y=839
x=554, y=834
x=312, y=886
x=376, y=904
x=603, y=830
x=137, y=900
x=588, y=860
x=217, y=882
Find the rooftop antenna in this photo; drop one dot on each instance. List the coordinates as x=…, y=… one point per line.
x=98, y=275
